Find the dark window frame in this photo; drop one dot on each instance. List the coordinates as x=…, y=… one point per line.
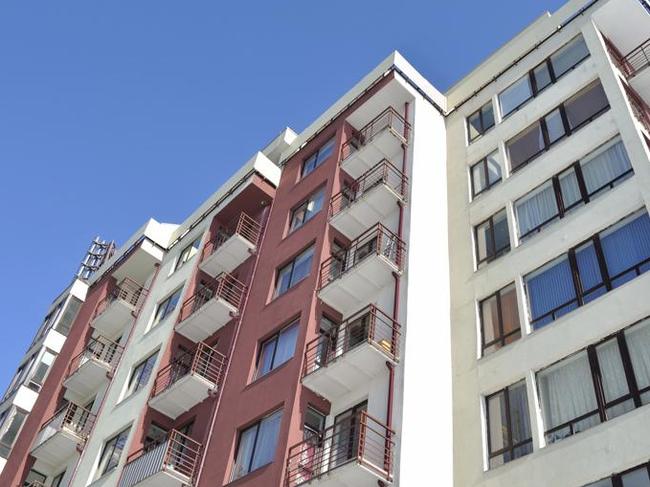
x=502, y=337
x=115, y=438
x=484, y=128
x=617, y=478
x=602, y=405
x=136, y=372
x=302, y=206
x=165, y=306
x=486, y=174
x=182, y=257
x=606, y=282
x=255, y=425
x=543, y=127
x=480, y=262
x=292, y=264
x=274, y=337
x=305, y=169
x=510, y=447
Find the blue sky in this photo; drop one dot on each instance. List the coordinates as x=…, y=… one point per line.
x=114, y=112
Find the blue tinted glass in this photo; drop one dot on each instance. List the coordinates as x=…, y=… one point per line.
x=550, y=289
x=627, y=246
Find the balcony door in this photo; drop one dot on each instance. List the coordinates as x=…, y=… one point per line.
x=345, y=441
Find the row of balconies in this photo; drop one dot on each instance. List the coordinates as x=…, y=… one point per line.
x=333, y=365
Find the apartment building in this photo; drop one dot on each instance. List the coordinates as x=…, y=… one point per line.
x=289, y=331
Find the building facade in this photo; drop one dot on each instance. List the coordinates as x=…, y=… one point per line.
x=289, y=331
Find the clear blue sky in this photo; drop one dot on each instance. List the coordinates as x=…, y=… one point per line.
x=114, y=112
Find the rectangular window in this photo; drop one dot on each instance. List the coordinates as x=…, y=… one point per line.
x=485, y=173
x=294, y=272
x=277, y=350
x=318, y=157
x=166, y=307
x=575, y=112
x=635, y=477
x=604, y=381
x=141, y=373
x=306, y=210
x=499, y=317
x=577, y=185
x=492, y=238
x=10, y=428
x=58, y=480
x=256, y=445
x=314, y=423
x=480, y=121
x=112, y=452
x=589, y=270
x=542, y=76
x=509, y=433
x=41, y=370
x=187, y=253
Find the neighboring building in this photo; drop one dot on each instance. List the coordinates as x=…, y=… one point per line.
x=418, y=289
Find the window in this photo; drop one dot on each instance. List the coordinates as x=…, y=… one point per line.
x=141, y=373
x=492, y=238
x=306, y=211
x=578, y=110
x=57, y=481
x=509, y=433
x=589, y=270
x=34, y=478
x=294, y=272
x=573, y=187
x=635, y=477
x=256, y=445
x=314, y=423
x=542, y=76
x=600, y=383
x=41, y=370
x=110, y=457
x=167, y=306
x=316, y=159
x=10, y=428
x=499, y=317
x=277, y=350
x=480, y=121
x=187, y=253
x=485, y=173
x=156, y=435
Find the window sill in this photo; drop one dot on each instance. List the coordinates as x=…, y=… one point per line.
x=249, y=476
x=288, y=292
x=273, y=372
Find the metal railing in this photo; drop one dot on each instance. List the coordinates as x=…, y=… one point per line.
x=360, y=438
x=640, y=108
x=369, y=325
x=100, y=349
x=224, y=287
x=245, y=226
x=128, y=291
x=204, y=361
x=389, y=119
x=178, y=453
x=378, y=240
x=382, y=173
x=636, y=60
x=72, y=418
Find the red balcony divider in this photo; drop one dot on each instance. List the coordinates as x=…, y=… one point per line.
x=224, y=287
x=99, y=348
x=389, y=119
x=249, y=228
x=369, y=325
x=360, y=438
x=377, y=240
x=382, y=173
x=128, y=291
x=204, y=361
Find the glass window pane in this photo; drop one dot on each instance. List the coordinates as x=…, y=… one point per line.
x=284, y=280
x=585, y=105
x=525, y=146
x=488, y=116
x=244, y=452
x=570, y=189
x=601, y=483
x=569, y=56
x=325, y=151
x=601, y=169
x=490, y=319
x=520, y=422
x=626, y=245
x=494, y=168
x=515, y=95
x=636, y=478
x=501, y=235
x=478, y=177
x=497, y=422
x=510, y=310
x=286, y=345
x=474, y=125
x=267, y=439
x=588, y=267
x=302, y=266
x=548, y=290
x=484, y=247
x=542, y=77
x=613, y=377
x=266, y=357
x=537, y=209
x=554, y=126
x=637, y=339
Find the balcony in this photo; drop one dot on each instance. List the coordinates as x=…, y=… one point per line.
x=92, y=368
x=172, y=463
x=372, y=198
x=356, y=452
x=350, y=279
x=63, y=435
x=382, y=138
x=187, y=381
x=210, y=308
x=231, y=246
x=117, y=309
x=636, y=60
x=353, y=355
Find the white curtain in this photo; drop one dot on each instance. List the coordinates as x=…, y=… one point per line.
x=569, y=188
x=566, y=390
x=613, y=377
x=606, y=166
x=536, y=209
x=267, y=439
x=638, y=343
x=286, y=345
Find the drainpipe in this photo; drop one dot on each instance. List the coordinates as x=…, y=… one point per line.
x=231, y=350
